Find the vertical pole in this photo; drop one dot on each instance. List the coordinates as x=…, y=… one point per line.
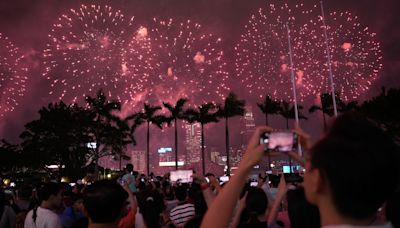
x=296, y=111
x=328, y=55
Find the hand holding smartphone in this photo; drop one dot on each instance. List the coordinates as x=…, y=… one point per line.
x=280, y=141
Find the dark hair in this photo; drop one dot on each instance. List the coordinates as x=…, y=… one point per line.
x=196, y=195
x=24, y=192
x=181, y=193
x=194, y=222
x=104, y=201
x=129, y=167
x=352, y=157
x=301, y=213
x=49, y=189
x=256, y=205
x=275, y=180
x=393, y=208
x=151, y=205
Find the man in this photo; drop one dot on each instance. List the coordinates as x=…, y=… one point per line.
x=129, y=177
x=340, y=178
x=104, y=203
x=343, y=170
x=44, y=216
x=184, y=211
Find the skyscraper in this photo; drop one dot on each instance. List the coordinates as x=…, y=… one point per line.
x=193, y=142
x=248, y=124
x=138, y=160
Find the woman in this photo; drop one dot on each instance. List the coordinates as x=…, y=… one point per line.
x=7, y=215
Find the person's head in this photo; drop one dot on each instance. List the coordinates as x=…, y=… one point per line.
x=345, y=165
x=301, y=212
x=275, y=181
x=256, y=204
x=51, y=195
x=151, y=206
x=104, y=201
x=24, y=192
x=78, y=202
x=181, y=193
x=196, y=196
x=129, y=168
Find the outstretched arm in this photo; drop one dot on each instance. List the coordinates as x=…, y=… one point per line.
x=221, y=210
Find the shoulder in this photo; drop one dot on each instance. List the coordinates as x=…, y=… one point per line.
x=182, y=208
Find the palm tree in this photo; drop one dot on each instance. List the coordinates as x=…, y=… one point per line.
x=326, y=106
x=232, y=107
x=176, y=112
x=384, y=109
x=104, y=122
x=204, y=114
x=137, y=120
x=347, y=107
x=269, y=106
x=149, y=115
x=288, y=112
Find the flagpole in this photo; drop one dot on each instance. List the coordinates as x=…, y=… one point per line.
x=328, y=54
x=296, y=111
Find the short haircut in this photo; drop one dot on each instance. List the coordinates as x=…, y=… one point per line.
x=256, y=201
x=49, y=189
x=181, y=193
x=104, y=201
x=353, y=157
x=129, y=167
x=301, y=213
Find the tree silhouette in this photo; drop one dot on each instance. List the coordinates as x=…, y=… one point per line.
x=149, y=115
x=384, y=109
x=232, y=107
x=203, y=114
x=10, y=157
x=176, y=112
x=288, y=112
x=108, y=131
x=326, y=107
x=58, y=137
x=269, y=107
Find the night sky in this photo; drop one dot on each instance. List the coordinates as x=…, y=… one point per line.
x=27, y=24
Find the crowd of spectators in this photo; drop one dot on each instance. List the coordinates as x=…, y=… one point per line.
x=351, y=179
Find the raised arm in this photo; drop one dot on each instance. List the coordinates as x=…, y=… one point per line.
x=273, y=214
x=221, y=210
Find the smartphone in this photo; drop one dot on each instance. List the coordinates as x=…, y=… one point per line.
x=224, y=178
x=293, y=178
x=254, y=184
x=283, y=141
x=182, y=176
x=208, y=180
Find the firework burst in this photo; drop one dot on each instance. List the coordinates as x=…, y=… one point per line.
x=188, y=62
x=262, y=55
x=355, y=52
x=87, y=51
x=12, y=76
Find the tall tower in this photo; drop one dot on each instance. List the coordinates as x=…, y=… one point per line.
x=138, y=160
x=193, y=142
x=248, y=125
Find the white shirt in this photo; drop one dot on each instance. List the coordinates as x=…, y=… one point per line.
x=45, y=219
x=387, y=225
